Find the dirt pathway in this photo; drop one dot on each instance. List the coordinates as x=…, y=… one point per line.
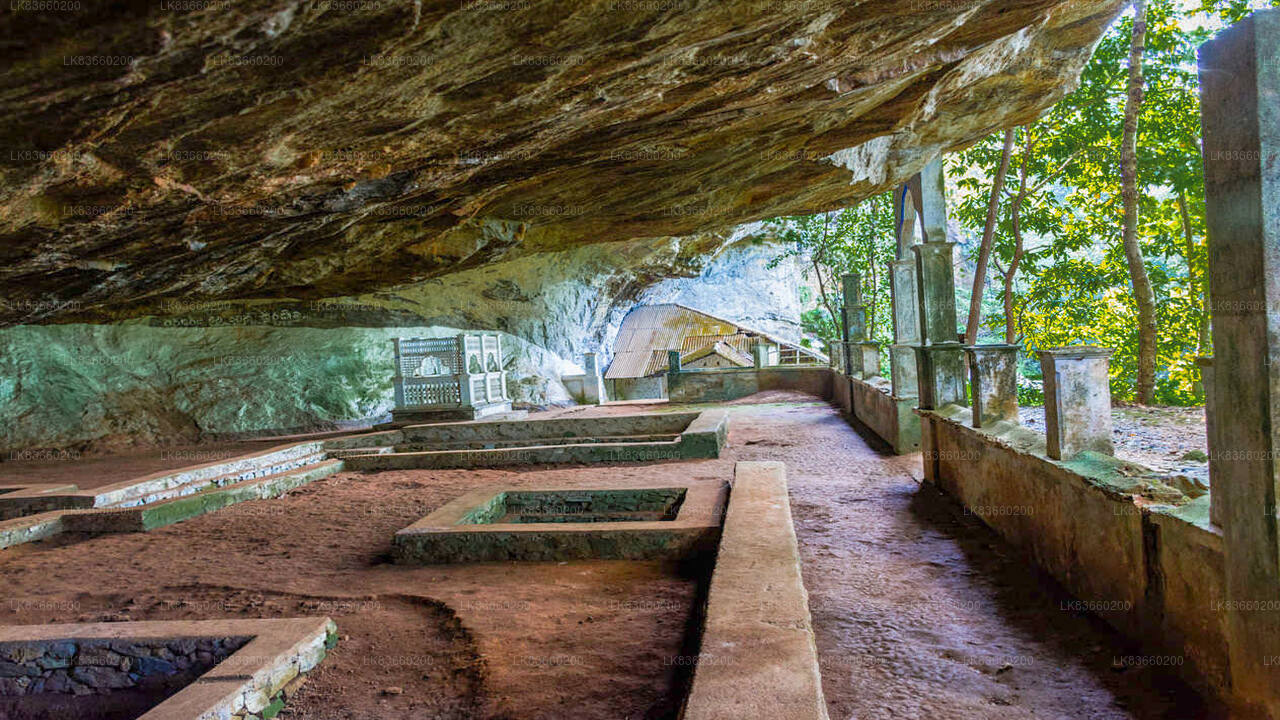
x=921, y=611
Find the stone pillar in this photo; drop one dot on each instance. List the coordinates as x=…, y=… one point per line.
x=933, y=201
x=1077, y=400
x=673, y=361
x=939, y=356
x=993, y=379
x=941, y=372
x=906, y=328
x=937, y=295
x=867, y=355
x=592, y=383
x=1239, y=87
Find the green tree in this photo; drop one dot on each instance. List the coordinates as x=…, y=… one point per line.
x=830, y=245
x=1073, y=283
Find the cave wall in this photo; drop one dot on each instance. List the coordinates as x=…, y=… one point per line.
x=242, y=369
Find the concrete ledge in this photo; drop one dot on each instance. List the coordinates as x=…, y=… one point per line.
x=892, y=418
x=600, y=440
x=457, y=532
x=758, y=657
x=162, y=485
x=723, y=384
x=250, y=683
x=142, y=518
x=167, y=512
x=1137, y=553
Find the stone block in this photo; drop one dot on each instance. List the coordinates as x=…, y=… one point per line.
x=993, y=383
x=1077, y=401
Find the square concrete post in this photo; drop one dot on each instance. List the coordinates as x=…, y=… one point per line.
x=906, y=328
x=760, y=354
x=1077, y=400
x=1240, y=116
x=673, y=361
x=592, y=383
x=939, y=357
x=941, y=369
x=993, y=380
x=868, y=359
x=937, y=295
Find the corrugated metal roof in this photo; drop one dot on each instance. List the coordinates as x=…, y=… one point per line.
x=722, y=349
x=649, y=331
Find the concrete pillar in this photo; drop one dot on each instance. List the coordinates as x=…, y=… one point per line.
x=760, y=354
x=993, y=380
x=933, y=201
x=906, y=328
x=673, y=361
x=1077, y=400
x=1239, y=87
x=939, y=356
x=592, y=383
x=937, y=294
x=867, y=356
x=941, y=371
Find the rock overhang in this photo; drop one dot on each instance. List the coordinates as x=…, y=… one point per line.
x=309, y=150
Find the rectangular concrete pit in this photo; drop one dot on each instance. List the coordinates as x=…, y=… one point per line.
x=624, y=438
x=493, y=524
x=234, y=669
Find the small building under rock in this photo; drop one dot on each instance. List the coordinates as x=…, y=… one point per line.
x=649, y=332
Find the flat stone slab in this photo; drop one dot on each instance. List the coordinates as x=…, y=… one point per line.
x=758, y=658
x=247, y=683
x=477, y=526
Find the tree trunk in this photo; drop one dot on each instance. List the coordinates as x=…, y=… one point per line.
x=1143, y=295
x=988, y=233
x=1193, y=287
x=874, y=289
x=1010, y=330
x=1197, y=286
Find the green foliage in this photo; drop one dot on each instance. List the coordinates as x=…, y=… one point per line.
x=828, y=246
x=1073, y=286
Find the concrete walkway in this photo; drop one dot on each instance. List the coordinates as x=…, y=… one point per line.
x=920, y=611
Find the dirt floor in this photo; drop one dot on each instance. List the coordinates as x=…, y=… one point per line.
x=919, y=610
x=1165, y=439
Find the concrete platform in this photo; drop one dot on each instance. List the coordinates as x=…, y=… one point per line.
x=464, y=530
x=503, y=443
x=758, y=658
x=162, y=512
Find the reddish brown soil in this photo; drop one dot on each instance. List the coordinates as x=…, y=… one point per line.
x=920, y=611
x=595, y=639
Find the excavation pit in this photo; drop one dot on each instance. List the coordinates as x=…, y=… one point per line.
x=492, y=524
x=157, y=670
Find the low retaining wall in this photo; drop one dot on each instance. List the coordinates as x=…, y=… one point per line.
x=703, y=437
x=141, y=518
x=758, y=657
x=265, y=661
x=724, y=384
x=1135, y=552
x=891, y=418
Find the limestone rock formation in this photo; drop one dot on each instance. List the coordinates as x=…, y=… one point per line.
x=195, y=150
x=216, y=369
